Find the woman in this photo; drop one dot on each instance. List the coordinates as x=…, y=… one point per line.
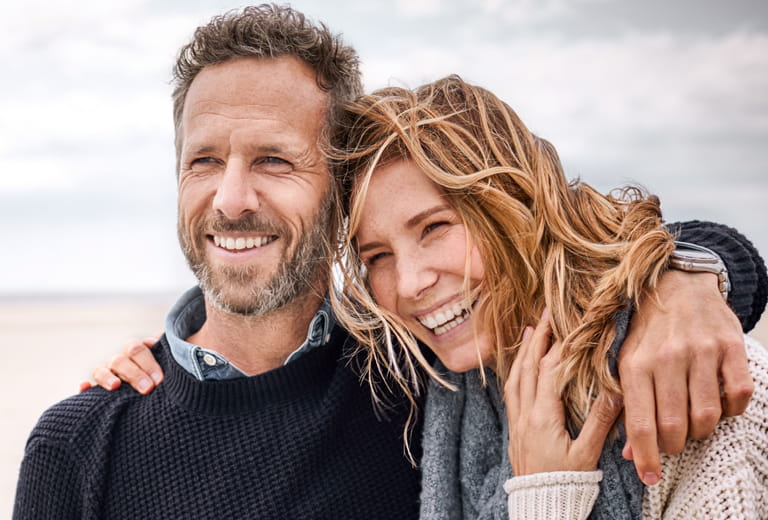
x=462, y=231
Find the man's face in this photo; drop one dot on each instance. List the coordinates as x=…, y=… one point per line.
x=253, y=183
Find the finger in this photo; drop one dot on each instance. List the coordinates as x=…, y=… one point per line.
x=738, y=385
x=85, y=385
x=671, y=392
x=704, y=391
x=548, y=399
x=124, y=368
x=106, y=379
x=601, y=418
x=537, y=347
x=640, y=423
x=140, y=354
x=512, y=385
x=626, y=451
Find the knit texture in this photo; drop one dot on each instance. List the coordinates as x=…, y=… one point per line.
x=466, y=471
x=552, y=494
x=746, y=268
x=300, y=441
x=465, y=460
x=726, y=475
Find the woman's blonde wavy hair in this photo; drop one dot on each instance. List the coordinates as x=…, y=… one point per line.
x=543, y=241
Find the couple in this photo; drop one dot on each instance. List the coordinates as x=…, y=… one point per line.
x=461, y=232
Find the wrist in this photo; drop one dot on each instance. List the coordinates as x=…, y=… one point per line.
x=694, y=258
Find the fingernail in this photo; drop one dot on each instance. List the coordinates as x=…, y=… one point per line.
x=144, y=385
x=650, y=479
x=545, y=313
x=112, y=381
x=527, y=333
x=156, y=377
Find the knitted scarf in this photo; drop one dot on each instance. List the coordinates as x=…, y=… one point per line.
x=465, y=461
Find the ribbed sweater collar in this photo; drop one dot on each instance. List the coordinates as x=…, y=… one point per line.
x=308, y=375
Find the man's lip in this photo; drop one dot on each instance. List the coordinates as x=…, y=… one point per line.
x=241, y=241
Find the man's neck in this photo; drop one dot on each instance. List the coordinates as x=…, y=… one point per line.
x=256, y=344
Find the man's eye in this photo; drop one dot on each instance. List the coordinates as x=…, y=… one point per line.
x=199, y=161
x=274, y=165
x=275, y=160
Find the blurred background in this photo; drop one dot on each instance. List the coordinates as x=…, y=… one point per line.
x=670, y=95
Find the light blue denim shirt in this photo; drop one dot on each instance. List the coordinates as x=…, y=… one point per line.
x=188, y=315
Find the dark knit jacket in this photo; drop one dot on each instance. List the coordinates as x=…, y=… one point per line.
x=300, y=441
x=745, y=266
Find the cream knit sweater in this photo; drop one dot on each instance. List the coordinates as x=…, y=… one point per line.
x=722, y=477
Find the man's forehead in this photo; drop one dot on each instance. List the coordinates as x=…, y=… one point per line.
x=277, y=82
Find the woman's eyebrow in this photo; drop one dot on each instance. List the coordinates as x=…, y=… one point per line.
x=418, y=217
x=410, y=223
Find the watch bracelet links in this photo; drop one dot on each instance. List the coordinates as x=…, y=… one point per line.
x=713, y=264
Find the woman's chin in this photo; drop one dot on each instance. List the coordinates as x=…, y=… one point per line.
x=462, y=358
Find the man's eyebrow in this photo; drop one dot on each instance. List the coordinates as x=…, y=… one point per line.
x=410, y=223
x=262, y=149
x=201, y=150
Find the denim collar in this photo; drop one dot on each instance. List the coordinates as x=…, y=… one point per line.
x=187, y=317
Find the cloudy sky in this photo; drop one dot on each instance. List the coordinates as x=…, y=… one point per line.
x=672, y=95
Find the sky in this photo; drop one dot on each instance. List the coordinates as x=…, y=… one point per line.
x=670, y=95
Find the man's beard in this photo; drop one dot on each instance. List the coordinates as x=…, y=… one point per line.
x=237, y=289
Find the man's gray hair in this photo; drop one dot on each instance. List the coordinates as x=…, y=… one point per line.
x=269, y=31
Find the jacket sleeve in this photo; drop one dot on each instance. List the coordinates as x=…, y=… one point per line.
x=49, y=483
x=556, y=495
x=746, y=269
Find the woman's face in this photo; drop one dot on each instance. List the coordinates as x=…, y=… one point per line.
x=414, y=245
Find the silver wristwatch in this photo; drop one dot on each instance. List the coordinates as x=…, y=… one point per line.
x=697, y=259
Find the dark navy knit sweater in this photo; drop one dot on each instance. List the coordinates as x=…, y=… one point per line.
x=300, y=441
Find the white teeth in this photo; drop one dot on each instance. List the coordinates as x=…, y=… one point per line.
x=448, y=326
x=445, y=319
x=235, y=244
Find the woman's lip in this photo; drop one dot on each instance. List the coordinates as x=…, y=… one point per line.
x=447, y=302
x=448, y=335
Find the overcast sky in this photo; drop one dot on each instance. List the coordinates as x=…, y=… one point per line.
x=673, y=95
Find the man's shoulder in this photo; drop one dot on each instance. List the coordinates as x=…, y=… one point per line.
x=82, y=415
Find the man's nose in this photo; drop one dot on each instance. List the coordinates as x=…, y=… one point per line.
x=236, y=193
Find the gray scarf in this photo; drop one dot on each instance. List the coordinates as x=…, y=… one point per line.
x=465, y=461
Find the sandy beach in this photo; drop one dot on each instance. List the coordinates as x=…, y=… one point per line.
x=55, y=343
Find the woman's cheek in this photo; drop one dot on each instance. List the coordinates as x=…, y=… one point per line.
x=382, y=292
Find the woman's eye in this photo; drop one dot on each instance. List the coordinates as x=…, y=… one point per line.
x=431, y=227
x=371, y=260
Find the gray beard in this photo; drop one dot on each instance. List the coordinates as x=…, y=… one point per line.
x=295, y=277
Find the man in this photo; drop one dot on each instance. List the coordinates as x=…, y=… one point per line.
x=247, y=424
